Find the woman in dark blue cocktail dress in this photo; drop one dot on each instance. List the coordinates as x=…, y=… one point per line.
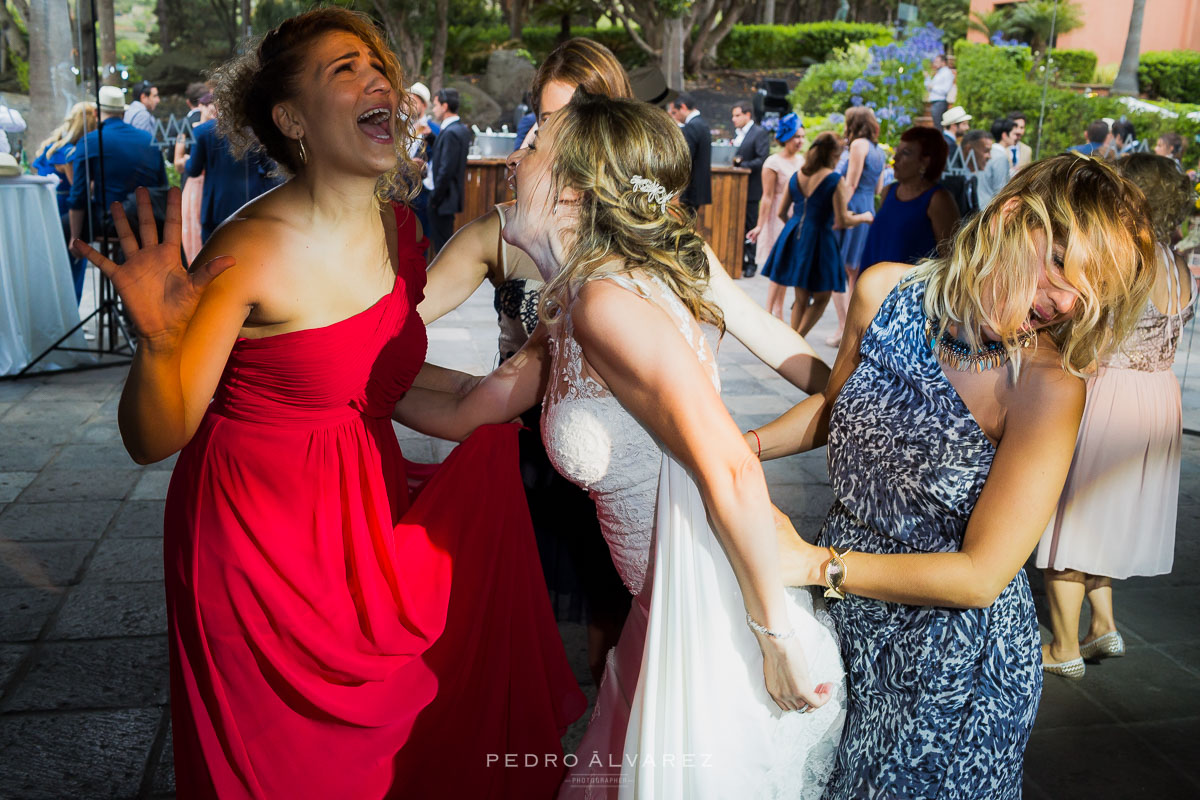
x=806, y=255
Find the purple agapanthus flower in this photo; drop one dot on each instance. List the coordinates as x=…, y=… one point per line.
x=839, y=85
x=836, y=118
x=870, y=104
x=856, y=100
x=889, y=80
x=903, y=120
x=884, y=113
x=861, y=85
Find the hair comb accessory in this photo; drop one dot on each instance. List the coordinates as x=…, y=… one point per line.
x=656, y=191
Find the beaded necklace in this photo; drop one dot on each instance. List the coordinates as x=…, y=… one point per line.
x=958, y=355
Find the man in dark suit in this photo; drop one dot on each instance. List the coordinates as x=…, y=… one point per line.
x=130, y=160
x=447, y=176
x=753, y=146
x=229, y=183
x=699, y=142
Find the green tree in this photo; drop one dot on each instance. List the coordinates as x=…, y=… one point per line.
x=681, y=34
x=1038, y=22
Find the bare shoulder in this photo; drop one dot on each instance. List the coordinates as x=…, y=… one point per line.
x=943, y=199
x=612, y=318
x=860, y=145
x=1044, y=393
x=876, y=283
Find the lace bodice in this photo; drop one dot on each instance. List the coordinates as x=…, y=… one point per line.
x=594, y=442
x=1151, y=346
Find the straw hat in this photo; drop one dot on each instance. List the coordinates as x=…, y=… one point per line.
x=112, y=98
x=421, y=91
x=955, y=115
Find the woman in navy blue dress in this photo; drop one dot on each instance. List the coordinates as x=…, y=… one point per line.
x=806, y=254
x=946, y=468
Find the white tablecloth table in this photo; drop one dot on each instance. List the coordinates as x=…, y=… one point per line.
x=37, y=295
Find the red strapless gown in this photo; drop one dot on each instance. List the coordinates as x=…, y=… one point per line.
x=331, y=636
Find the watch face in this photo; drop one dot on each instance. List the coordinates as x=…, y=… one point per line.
x=834, y=573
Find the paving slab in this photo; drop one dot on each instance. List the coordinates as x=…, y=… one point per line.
x=85, y=675
x=54, y=485
x=126, y=561
x=96, y=754
x=41, y=564
x=25, y=612
x=102, y=610
x=50, y=521
x=13, y=483
x=139, y=519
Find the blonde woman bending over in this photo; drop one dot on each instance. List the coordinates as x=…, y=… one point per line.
x=699, y=697
x=945, y=468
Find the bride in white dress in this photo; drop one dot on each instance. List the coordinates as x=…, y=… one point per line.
x=724, y=683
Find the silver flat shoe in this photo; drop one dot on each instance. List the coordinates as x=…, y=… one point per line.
x=1110, y=645
x=1073, y=669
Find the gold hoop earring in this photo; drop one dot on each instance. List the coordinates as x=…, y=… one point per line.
x=303, y=154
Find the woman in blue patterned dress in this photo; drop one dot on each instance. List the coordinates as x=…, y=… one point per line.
x=945, y=469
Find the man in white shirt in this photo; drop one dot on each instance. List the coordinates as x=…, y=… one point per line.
x=998, y=169
x=939, y=85
x=11, y=121
x=139, y=113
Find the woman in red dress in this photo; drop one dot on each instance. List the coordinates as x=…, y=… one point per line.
x=330, y=635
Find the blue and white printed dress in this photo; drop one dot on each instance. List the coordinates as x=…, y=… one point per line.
x=941, y=700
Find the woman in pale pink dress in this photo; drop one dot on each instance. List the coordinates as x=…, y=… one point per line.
x=777, y=171
x=193, y=190
x=1117, y=514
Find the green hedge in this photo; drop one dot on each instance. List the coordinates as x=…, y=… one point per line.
x=746, y=46
x=993, y=81
x=1171, y=75
x=1074, y=66
x=773, y=46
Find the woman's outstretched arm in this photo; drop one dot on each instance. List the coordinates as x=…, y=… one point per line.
x=805, y=426
x=187, y=323
x=666, y=388
x=503, y=395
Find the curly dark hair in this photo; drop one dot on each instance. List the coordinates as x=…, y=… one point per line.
x=933, y=145
x=250, y=86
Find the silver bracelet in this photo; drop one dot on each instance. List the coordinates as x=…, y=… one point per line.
x=754, y=626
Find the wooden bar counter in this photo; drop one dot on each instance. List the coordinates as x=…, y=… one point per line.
x=721, y=221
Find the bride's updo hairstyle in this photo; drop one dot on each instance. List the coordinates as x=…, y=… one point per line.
x=1097, y=220
x=606, y=149
x=250, y=86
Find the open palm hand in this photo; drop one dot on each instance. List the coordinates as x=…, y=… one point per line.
x=157, y=289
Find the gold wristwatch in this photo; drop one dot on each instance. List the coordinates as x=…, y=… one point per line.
x=835, y=572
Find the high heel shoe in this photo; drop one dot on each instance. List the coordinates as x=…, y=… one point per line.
x=1110, y=645
x=1073, y=669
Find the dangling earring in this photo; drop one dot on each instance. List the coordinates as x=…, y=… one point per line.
x=303, y=155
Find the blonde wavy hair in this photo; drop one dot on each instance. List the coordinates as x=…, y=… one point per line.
x=79, y=120
x=1101, y=223
x=1168, y=191
x=272, y=71
x=600, y=145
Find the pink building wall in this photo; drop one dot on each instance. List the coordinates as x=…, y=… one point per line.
x=1167, y=25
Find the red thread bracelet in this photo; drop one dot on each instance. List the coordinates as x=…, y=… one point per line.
x=759, y=441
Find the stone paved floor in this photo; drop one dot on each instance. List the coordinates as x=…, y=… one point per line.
x=83, y=657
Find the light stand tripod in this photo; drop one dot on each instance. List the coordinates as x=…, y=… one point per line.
x=107, y=313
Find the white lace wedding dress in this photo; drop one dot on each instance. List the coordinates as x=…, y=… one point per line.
x=682, y=710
